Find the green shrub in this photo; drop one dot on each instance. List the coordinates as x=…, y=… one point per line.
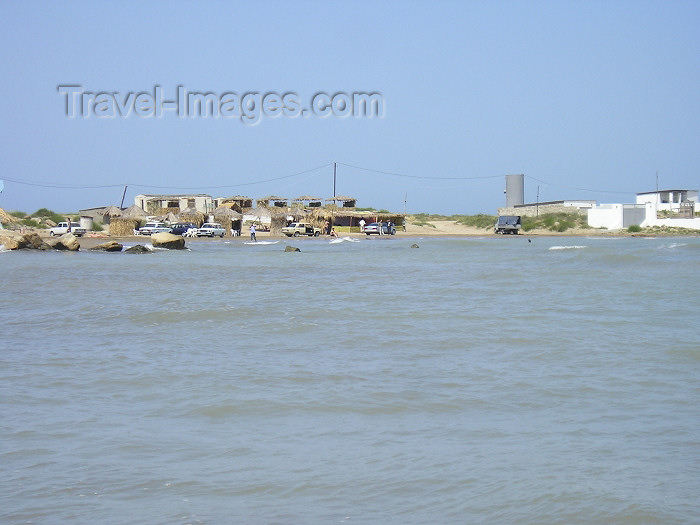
x=18, y=214
x=32, y=223
x=45, y=213
x=556, y=222
x=477, y=221
x=635, y=228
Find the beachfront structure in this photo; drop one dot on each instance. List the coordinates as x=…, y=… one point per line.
x=673, y=201
x=237, y=203
x=161, y=205
x=307, y=201
x=534, y=209
x=272, y=201
x=673, y=208
x=345, y=202
x=617, y=216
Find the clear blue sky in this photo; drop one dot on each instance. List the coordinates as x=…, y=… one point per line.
x=589, y=95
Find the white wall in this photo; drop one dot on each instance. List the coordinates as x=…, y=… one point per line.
x=652, y=220
x=616, y=216
x=606, y=216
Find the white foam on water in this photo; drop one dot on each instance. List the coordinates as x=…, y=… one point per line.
x=344, y=239
x=575, y=247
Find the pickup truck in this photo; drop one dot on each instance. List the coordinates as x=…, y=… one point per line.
x=152, y=227
x=63, y=227
x=301, y=228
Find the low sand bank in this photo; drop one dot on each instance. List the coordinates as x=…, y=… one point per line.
x=431, y=228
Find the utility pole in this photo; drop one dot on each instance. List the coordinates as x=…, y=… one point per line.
x=537, y=207
x=335, y=165
x=121, y=206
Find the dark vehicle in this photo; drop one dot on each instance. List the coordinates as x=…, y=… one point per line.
x=508, y=224
x=373, y=228
x=181, y=228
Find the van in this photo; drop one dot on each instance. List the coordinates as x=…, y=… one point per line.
x=508, y=224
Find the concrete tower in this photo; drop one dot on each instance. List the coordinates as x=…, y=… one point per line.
x=515, y=190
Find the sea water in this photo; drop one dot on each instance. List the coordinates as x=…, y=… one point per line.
x=468, y=380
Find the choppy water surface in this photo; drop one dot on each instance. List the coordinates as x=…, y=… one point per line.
x=467, y=381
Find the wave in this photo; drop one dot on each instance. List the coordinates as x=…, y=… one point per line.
x=575, y=247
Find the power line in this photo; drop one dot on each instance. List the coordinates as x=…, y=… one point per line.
x=91, y=187
x=580, y=189
x=419, y=176
x=63, y=186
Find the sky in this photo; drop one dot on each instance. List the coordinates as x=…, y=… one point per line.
x=592, y=100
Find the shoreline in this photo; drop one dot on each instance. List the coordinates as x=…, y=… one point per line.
x=435, y=228
x=439, y=229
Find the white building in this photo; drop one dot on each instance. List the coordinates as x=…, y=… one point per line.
x=163, y=204
x=668, y=200
x=616, y=216
x=645, y=212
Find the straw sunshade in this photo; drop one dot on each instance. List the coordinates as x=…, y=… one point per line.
x=191, y=215
x=121, y=227
x=134, y=212
x=226, y=213
x=112, y=211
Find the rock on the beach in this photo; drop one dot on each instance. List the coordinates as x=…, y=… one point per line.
x=67, y=241
x=414, y=246
x=138, y=249
x=111, y=246
x=35, y=242
x=167, y=240
x=17, y=241
x=291, y=249
x=10, y=242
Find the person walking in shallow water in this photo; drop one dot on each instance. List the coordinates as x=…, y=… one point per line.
x=252, y=233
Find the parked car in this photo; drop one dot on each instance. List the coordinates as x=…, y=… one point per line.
x=181, y=228
x=508, y=224
x=65, y=227
x=373, y=228
x=301, y=228
x=211, y=229
x=152, y=227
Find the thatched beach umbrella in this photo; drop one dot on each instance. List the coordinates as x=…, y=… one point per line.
x=111, y=211
x=227, y=217
x=226, y=213
x=134, y=212
x=192, y=215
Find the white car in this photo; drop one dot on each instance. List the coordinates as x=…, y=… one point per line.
x=152, y=227
x=379, y=228
x=65, y=227
x=211, y=229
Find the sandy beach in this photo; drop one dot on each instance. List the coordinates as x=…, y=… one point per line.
x=444, y=228
x=431, y=228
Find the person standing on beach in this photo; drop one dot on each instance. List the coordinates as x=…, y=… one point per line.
x=362, y=225
x=252, y=233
